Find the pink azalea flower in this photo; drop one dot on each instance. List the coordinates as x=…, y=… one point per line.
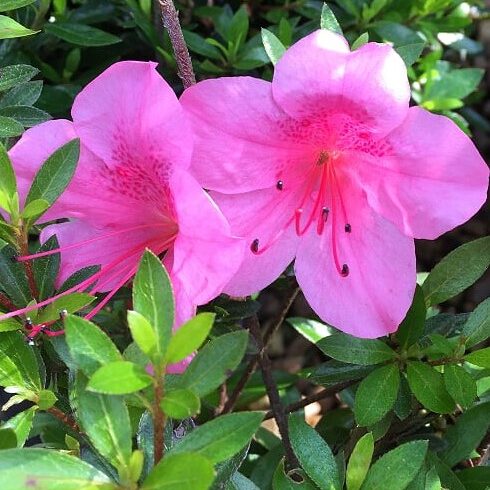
x=132, y=190
x=329, y=165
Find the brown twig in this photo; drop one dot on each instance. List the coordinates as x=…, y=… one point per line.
x=273, y=393
x=158, y=420
x=63, y=417
x=304, y=402
x=223, y=398
x=6, y=303
x=254, y=362
x=171, y=22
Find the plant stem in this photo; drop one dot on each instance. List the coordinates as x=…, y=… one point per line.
x=273, y=394
x=158, y=419
x=171, y=22
x=313, y=398
x=63, y=417
x=6, y=303
x=252, y=365
x=24, y=250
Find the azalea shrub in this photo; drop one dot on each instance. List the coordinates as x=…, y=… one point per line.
x=208, y=268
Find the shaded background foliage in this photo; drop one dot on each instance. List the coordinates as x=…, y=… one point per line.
x=446, y=44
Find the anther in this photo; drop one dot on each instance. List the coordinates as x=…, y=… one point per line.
x=30, y=342
x=345, y=270
x=28, y=323
x=325, y=212
x=280, y=185
x=14, y=259
x=63, y=314
x=255, y=246
x=348, y=228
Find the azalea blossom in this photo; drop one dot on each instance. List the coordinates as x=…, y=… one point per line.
x=328, y=165
x=132, y=190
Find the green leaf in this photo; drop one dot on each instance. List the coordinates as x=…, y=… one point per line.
x=46, y=399
x=180, y=404
x=21, y=424
x=428, y=387
x=455, y=84
x=477, y=478
x=13, y=280
x=27, y=116
x=10, y=76
x=35, y=208
x=384, y=382
x=410, y=53
x=78, y=277
x=55, y=174
x=8, y=439
x=46, y=268
x=14, y=347
x=432, y=481
x=353, y=350
x=10, y=127
x=457, y=271
x=466, y=434
x=153, y=298
x=199, y=45
x=328, y=20
x=448, y=478
x=119, y=378
x=213, y=362
x=14, y=4
x=221, y=438
x=403, y=404
x=460, y=385
x=477, y=327
x=310, y=329
x=189, y=337
x=89, y=346
x=81, y=34
x=313, y=453
x=238, y=27
x=412, y=327
x=360, y=41
x=70, y=303
x=332, y=372
x=359, y=462
x=105, y=419
x=272, y=45
x=9, y=28
x=49, y=470
x=281, y=481
x=397, y=468
x=142, y=332
x=479, y=357
x=8, y=183
x=26, y=93
x=179, y=472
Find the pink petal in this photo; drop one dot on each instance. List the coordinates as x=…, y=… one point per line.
x=30, y=152
x=432, y=178
x=244, y=141
x=318, y=77
x=261, y=215
x=205, y=254
x=130, y=109
x=374, y=298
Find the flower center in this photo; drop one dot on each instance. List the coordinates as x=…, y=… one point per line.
x=321, y=200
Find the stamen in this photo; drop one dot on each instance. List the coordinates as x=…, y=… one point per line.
x=280, y=185
x=325, y=212
x=255, y=246
x=348, y=228
x=345, y=270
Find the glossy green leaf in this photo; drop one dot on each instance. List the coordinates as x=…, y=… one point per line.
x=314, y=454
x=105, y=419
x=9, y=28
x=142, y=332
x=410, y=53
x=27, y=116
x=26, y=93
x=81, y=34
x=55, y=174
x=189, y=337
x=89, y=346
x=13, y=280
x=46, y=268
x=477, y=327
x=46, y=399
x=272, y=45
x=35, y=208
x=180, y=404
x=222, y=437
x=310, y=329
x=412, y=327
x=49, y=470
x=359, y=462
x=332, y=372
x=8, y=182
x=189, y=471
x=353, y=350
x=403, y=404
x=460, y=385
x=21, y=424
x=477, y=478
x=281, y=481
x=397, y=468
x=7, y=5
x=119, y=378
x=71, y=303
x=479, y=357
x=428, y=386
x=211, y=365
x=384, y=382
x=8, y=439
x=329, y=21
x=153, y=298
x=10, y=76
x=360, y=41
x=457, y=271
x=10, y=127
